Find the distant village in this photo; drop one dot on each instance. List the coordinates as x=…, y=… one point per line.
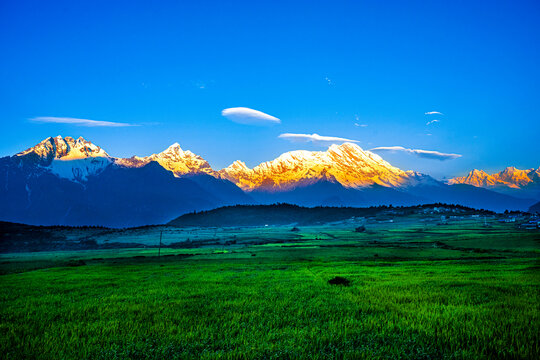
x=444, y=213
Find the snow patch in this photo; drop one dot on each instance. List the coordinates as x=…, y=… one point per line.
x=79, y=169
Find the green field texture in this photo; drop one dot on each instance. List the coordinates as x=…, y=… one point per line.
x=455, y=291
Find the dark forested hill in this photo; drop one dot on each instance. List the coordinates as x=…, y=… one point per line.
x=282, y=214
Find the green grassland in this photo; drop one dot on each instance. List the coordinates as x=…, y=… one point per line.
x=418, y=290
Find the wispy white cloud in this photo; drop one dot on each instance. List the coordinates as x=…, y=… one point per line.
x=433, y=113
x=357, y=124
x=243, y=115
x=427, y=154
x=79, y=122
x=432, y=122
x=202, y=84
x=316, y=138
x=328, y=80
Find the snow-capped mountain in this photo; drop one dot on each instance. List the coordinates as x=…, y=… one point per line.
x=63, y=181
x=346, y=164
x=77, y=159
x=75, y=182
x=509, y=177
x=173, y=159
x=67, y=158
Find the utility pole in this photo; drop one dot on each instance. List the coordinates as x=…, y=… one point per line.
x=159, y=249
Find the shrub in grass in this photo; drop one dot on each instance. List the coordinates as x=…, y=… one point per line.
x=361, y=228
x=339, y=280
x=75, y=263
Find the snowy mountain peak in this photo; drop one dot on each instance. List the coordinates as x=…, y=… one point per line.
x=174, y=148
x=238, y=165
x=173, y=159
x=509, y=170
x=347, y=146
x=63, y=148
x=67, y=158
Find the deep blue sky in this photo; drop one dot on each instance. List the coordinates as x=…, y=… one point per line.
x=171, y=67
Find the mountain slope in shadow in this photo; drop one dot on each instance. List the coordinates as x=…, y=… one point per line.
x=117, y=197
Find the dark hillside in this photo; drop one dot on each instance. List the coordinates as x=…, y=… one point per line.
x=282, y=214
x=535, y=208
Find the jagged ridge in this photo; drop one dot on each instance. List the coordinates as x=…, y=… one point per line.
x=346, y=164
x=174, y=159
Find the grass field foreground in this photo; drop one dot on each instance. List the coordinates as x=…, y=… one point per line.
x=416, y=298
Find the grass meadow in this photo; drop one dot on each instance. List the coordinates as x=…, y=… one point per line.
x=448, y=292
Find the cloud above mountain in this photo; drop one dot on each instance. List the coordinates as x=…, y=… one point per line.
x=315, y=138
x=79, y=122
x=243, y=115
x=427, y=154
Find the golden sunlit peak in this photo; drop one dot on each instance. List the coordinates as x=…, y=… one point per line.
x=346, y=164
x=347, y=145
x=175, y=147
x=65, y=148
x=238, y=165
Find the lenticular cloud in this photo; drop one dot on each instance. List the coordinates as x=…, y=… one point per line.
x=313, y=138
x=249, y=116
x=427, y=154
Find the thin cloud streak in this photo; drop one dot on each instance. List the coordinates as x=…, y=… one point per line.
x=433, y=113
x=247, y=116
x=360, y=125
x=79, y=122
x=315, y=138
x=426, y=154
x=432, y=122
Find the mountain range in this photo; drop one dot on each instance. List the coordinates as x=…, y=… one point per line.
x=516, y=182
x=67, y=181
